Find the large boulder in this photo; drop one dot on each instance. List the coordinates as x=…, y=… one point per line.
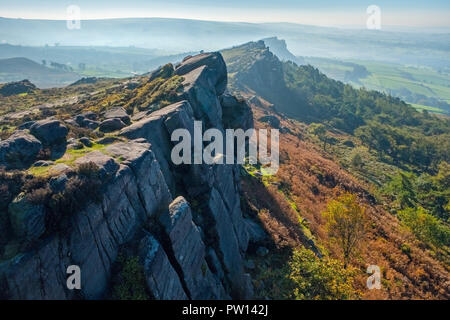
x=117, y=112
x=49, y=131
x=217, y=68
x=86, y=120
x=111, y=125
x=19, y=150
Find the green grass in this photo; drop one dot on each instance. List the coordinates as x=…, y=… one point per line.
x=69, y=159
x=428, y=108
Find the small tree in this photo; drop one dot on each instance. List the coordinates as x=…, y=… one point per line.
x=346, y=222
x=357, y=161
x=320, y=131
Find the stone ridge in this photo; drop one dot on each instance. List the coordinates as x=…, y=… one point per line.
x=183, y=222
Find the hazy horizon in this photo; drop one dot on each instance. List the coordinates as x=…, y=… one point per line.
x=347, y=13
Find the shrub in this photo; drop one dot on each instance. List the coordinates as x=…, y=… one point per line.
x=425, y=226
x=39, y=196
x=79, y=191
x=10, y=184
x=34, y=183
x=357, y=161
x=131, y=285
x=89, y=170
x=305, y=277
x=325, y=279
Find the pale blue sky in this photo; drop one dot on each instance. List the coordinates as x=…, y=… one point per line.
x=320, y=12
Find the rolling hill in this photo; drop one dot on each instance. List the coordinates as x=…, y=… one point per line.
x=16, y=69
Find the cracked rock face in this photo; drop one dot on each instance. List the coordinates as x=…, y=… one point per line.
x=185, y=221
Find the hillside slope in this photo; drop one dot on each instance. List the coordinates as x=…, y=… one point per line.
x=324, y=126
x=16, y=69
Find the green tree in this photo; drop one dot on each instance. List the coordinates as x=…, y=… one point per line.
x=320, y=131
x=346, y=223
x=325, y=279
x=357, y=161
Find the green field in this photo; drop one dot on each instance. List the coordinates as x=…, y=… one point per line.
x=399, y=80
x=428, y=108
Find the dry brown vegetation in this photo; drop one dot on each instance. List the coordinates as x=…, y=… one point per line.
x=307, y=180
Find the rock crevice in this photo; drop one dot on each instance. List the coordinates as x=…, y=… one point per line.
x=185, y=221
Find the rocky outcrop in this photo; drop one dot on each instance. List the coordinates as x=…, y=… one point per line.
x=215, y=65
x=86, y=120
x=184, y=222
x=118, y=113
x=19, y=87
x=188, y=249
x=19, y=150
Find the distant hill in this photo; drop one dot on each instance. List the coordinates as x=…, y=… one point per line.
x=280, y=49
x=16, y=69
x=100, y=61
x=181, y=35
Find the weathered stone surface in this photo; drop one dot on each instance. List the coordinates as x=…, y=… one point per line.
x=49, y=132
x=227, y=244
x=164, y=72
x=37, y=275
x=86, y=141
x=186, y=253
x=226, y=186
x=59, y=168
x=18, y=87
x=58, y=183
x=189, y=251
x=87, y=120
x=107, y=166
x=42, y=163
x=111, y=125
x=95, y=234
x=157, y=128
x=27, y=125
x=90, y=124
x=255, y=232
x=119, y=113
x=19, y=150
x=154, y=192
x=90, y=115
x=27, y=219
x=217, y=68
x=202, y=96
x=161, y=278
